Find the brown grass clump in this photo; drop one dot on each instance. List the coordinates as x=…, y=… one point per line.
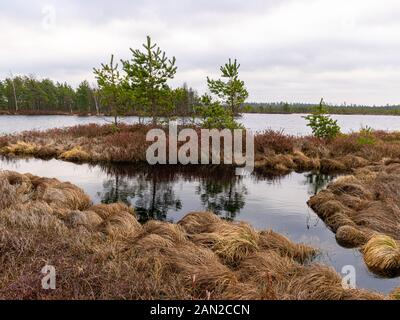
x=121, y=224
x=332, y=165
x=8, y=194
x=382, y=255
x=350, y=237
x=303, y=162
x=88, y=219
x=170, y=231
x=153, y=241
x=201, y=268
x=107, y=210
x=319, y=282
x=267, y=268
x=241, y=291
x=230, y=241
x=270, y=240
x=21, y=148
x=63, y=195
x=395, y=294
x=280, y=164
x=288, y=279
x=352, y=162
x=365, y=207
x=233, y=242
x=198, y=222
x=76, y=154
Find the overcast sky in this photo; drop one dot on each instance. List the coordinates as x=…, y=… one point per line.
x=289, y=50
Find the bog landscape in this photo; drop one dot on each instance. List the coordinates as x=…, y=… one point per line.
x=128, y=187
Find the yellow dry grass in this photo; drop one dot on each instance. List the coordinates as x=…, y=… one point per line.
x=349, y=236
x=121, y=225
x=198, y=222
x=232, y=242
x=76, y=154
x=21, y=148
x=88, y=219
x=270, y=240
x=107, y=210
x=395, y=294
x=382, y=255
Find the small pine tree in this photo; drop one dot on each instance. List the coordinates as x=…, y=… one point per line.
x=147, y=75
x=232, y=91
x=214, y=116
x=322, y=125
x=109, y=81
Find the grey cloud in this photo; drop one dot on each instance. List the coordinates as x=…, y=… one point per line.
x=289, y=50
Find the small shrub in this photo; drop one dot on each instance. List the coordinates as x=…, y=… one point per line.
x=277, y=141
x=322, y=125
x=216, y=116
x=366, y=136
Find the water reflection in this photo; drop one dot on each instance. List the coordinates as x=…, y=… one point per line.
x=225, y=198
x=317, y=182
x=151, y=190
x=151, y=197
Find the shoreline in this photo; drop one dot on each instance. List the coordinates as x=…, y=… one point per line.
x=275, y=152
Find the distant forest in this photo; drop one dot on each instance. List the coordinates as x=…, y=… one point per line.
x=28, y=95
x=283, y=107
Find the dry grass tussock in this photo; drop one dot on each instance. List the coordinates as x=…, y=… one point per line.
x=275, y=152
x=364, y=211
x=76, y=154
x=395, y=294
x=102, y=252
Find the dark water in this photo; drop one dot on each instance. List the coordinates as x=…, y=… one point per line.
x=291, y=124
x=168, y=194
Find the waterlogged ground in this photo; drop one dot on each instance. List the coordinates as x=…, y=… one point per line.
x=291, y=124
x=276, y=203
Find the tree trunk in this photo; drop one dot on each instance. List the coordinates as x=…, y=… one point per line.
x=15, y=93
x=96, y=103
x=153, y=111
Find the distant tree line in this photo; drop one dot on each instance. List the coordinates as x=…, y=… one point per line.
x=48, y=97
x=28, y=95
x=287, y=108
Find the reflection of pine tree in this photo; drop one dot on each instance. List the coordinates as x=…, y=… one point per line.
x=117, y=190
x=226, y=197
x=155, y=199
x=152, y=199
x=316, y=182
